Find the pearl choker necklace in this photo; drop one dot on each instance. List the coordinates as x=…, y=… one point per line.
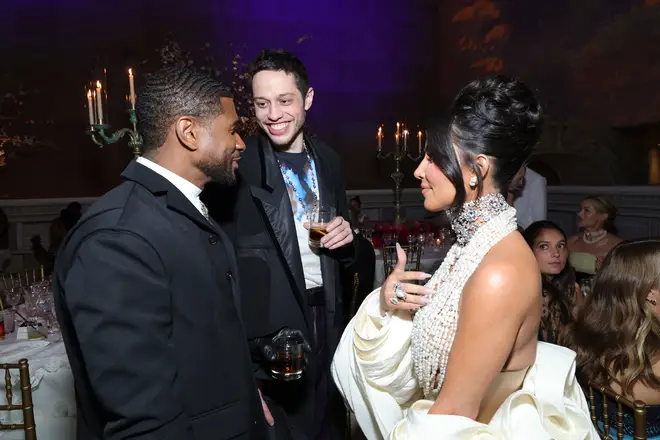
x=472, y=215
x=593, y=237
x=480, y=225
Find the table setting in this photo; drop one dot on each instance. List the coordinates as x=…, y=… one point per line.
x=434, y=240
x=29, y=330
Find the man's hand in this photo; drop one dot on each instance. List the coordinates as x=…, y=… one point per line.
x=339, y=234
x=264, y=347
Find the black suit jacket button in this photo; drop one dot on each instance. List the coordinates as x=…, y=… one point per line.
x=230, y=276
x=213, y=239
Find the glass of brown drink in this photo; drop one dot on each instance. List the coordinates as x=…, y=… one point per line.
x=319, y=217
x=289, y=363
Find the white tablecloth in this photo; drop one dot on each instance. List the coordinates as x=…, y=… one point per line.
x=52, y=389
x=430, y=261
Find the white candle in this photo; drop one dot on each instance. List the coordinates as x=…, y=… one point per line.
x=131, y=85
x=379, y=136
x=419, y=140
x=405, y=140
x=90, y=107
x=99, y=102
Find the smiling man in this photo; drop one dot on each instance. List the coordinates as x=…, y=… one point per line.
x=288, y=285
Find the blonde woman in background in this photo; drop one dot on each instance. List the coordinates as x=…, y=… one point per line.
x=596, y=237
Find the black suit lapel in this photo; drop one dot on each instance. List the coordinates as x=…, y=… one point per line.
x=272, y=200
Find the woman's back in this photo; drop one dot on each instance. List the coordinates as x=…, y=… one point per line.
x=525, y=300
x=509, y=262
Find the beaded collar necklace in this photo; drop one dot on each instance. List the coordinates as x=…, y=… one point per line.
x=479, y=226
x=472, y=215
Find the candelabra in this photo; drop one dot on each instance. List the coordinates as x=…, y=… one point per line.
x=99, y=128
x=399, y=154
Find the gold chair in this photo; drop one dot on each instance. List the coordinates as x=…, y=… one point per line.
x=637, y=407
x=26, y=406
x=413, y=257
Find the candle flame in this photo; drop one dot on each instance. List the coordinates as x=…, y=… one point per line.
x=419, y=134
x=130, y=72
x=89, y=93
x=98, y=84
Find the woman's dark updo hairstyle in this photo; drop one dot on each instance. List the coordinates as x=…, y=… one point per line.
x=499, y=117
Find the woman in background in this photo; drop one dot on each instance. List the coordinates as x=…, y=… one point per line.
x=617, y=332
x=596, y=237
x=561, y=294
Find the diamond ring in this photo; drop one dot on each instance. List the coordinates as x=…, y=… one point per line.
x=399, y=292
x=394, y=301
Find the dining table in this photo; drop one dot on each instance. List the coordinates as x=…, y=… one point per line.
x=51, y=380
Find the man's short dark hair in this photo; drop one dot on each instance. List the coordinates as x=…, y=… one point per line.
x=173, y=92
x=279, y=60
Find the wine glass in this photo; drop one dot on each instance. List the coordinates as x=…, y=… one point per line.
x=387, y=238
x=13, y=297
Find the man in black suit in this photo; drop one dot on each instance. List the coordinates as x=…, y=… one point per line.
x=290, y=286
x=146, y=285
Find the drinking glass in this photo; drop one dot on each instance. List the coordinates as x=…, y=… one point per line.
x=319, y=216
x=587, y=286
x=289, y=363
x=410, y=238
x=8, y=316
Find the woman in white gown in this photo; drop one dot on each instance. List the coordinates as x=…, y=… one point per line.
x=458, y=358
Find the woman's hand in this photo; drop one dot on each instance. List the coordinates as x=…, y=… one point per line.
x=397, y=294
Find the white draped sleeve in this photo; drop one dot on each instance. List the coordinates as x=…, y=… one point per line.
x=550, y=405
x=373, y=369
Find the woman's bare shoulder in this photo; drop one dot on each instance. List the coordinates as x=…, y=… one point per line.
x=510, y=272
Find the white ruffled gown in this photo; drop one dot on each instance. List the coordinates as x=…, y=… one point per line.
x=373, y=369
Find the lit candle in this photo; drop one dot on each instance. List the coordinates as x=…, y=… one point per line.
x=379, y=136
x=131, y=84
x=398, y=127
x=419, y=140
x=405, y=139
x=90, y=107
x=99, y=102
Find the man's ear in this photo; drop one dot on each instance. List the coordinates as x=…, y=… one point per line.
x=309, y=99
x=187, y=132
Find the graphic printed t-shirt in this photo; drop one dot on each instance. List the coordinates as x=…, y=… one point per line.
x=297, y=170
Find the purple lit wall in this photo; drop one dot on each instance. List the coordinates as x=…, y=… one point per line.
x=368, y=61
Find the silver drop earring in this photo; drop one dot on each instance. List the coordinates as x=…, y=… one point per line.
x=473, y=182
